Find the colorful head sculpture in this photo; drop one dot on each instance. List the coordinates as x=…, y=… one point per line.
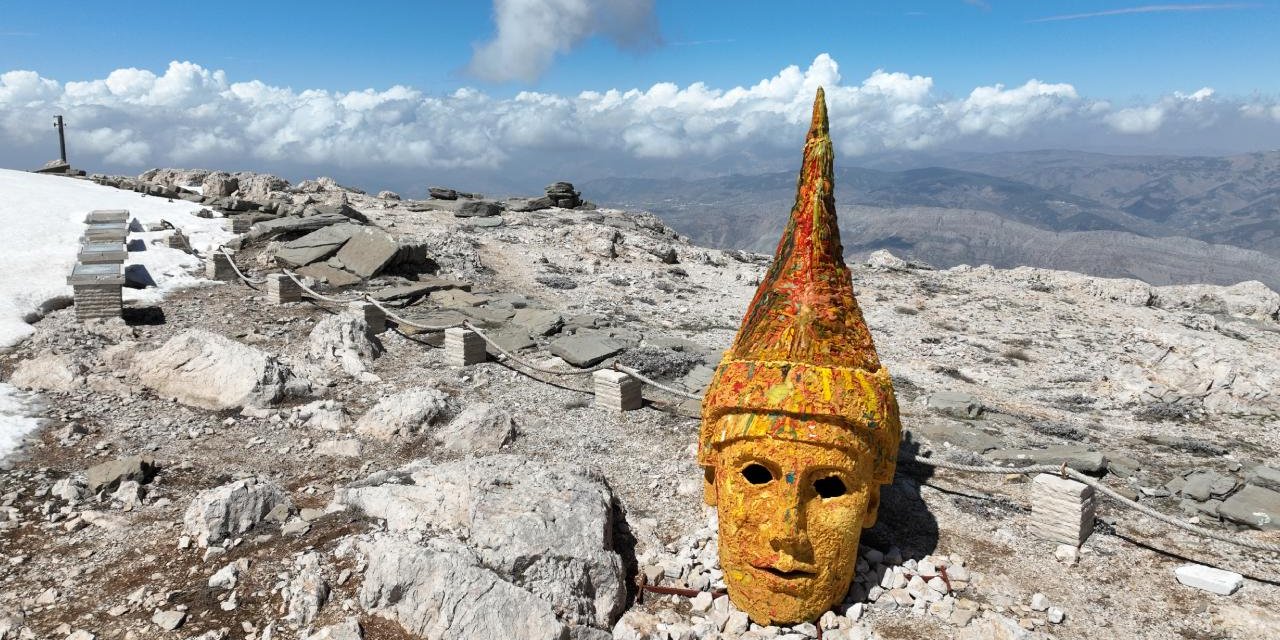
x=799, y=425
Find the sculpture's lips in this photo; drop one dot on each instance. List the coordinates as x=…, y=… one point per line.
x=786, y=577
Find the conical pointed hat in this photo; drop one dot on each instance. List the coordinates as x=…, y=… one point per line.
x=804, y=349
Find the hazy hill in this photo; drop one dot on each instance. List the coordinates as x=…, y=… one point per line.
x=1136, y=209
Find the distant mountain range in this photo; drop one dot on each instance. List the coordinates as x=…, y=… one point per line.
x=1163, y=219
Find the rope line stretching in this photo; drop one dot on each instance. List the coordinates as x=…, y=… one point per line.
x=929, y=462
x=253, y=284
x=1065, y=471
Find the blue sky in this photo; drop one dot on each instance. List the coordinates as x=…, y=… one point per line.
x=346, y=45
x=510, y=92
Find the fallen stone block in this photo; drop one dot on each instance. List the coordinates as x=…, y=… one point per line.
x=367, y=252
x=585, y=351
x=335, y=277
x=1223, y=583
x=315, y=246
x=206, y=370
x=1254, y=506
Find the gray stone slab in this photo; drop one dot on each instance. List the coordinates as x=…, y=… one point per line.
x=491, y=317
x=96, y=252
x=315, y=246
x=1264, y=476
x=1254, y=506
x=538, y=322
x=513, y=339
x=585, y=351
x=417, y=289
x=294, y=224
x=1203, y=485
x=368, y=251
x=956, y=433
x=332, y=275
x=458, y=299
x=954, y=403
x=107, y=215
x=478, y=209
x=103, y=273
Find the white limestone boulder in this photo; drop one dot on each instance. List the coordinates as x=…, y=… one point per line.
x=210, y=371
x=234, y=508
x=541, y=528
x=405, y=414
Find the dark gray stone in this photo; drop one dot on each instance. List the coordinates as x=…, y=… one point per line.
x=334, y=276
x=478, y=209
x=585, y=351
x=442, y=193
x=1203, y=485
x=292, y=224
x=315, y=246
x=538, y=322
x=1254, y=506
x=109, y=475
x=1263, y=476
x=512, y=339
x=957, y=434
x=956, y=404
x=367, y=252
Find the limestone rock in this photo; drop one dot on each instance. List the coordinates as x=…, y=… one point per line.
x=957, y=404
x=1254, y=506
x=585, y=350
x=232, y=509
x=367, y=252
x=884, y=259
x=206, y=370
x=535, y=526
x=1250, y=299
x=404, y=414
x=315, y=246
x=334, y=276
x=108, y=475
x=343, y=341
x=440, y=590
x=49, y=372
x=219, y=185
x=478, y=209
x=480, y=428
x=1223, y=583
x=308, y=590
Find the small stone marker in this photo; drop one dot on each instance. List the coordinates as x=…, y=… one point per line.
x=103, y=252
x=177, y=240
x=97, y=290
x=240, y=224
x=616, y=391
x=218, y=267
x=1223, y=583
x=282, y=289
x=107, y=215
x=373, y=316
x=1061, y=510
x=463, y=347
x=106, y=232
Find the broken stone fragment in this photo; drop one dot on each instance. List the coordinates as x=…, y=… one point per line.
x=232, y=509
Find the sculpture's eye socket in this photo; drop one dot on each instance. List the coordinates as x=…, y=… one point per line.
x=757, y=473
x=829, y=487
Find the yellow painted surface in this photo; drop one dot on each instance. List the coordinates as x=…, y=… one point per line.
x=787, y=552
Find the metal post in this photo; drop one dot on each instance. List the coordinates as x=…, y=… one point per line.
x=62, y=137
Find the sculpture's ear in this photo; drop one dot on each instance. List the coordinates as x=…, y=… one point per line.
x=709, y=486
x=873, y=506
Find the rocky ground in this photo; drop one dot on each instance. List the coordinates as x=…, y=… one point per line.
x=220, y=466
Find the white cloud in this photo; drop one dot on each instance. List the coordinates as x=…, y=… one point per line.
x=192, y=116
x=531, y=33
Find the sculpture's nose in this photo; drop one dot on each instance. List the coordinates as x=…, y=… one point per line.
x=787, y=528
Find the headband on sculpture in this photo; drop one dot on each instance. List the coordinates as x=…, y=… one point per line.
x=804, y=349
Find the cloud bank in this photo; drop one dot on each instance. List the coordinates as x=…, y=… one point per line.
x=530, y=33
x=192, y=116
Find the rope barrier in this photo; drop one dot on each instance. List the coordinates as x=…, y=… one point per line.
x=253, y=284
x=316, y=295
x=525, y=363
x=1065, y=471
x=672, y=390
x=410, y=323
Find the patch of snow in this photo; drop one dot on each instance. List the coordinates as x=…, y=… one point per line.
x=17, y=409
x=44, y=217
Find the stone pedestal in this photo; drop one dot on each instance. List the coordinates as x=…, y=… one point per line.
x=97, y=290
x=1062, y=510
x=282, y=289
x=218, y=267
x=239, y=224
x=373, y=316
x=463, y=347
x=616, y=391
x=103, y=253
x=105, y=232
x=107, y=215
x=177, y=240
